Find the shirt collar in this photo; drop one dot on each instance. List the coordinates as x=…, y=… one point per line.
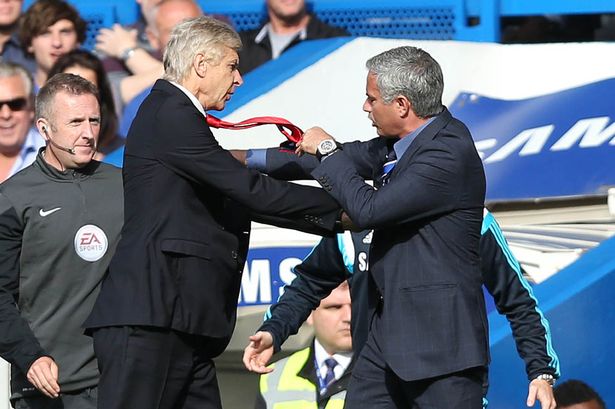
x=262, y=33
x=400, y=147
x=190, y=95
x=33, y=142
x=343, y=359
x=267, y=28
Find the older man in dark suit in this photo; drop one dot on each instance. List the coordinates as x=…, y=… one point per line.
x=427, y=346
x=168, y=304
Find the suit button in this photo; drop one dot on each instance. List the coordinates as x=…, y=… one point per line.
x=234, y=255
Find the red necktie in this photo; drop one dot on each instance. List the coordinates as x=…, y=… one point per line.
x=291, y=131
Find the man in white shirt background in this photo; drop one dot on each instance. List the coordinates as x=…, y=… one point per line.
x=19, y=141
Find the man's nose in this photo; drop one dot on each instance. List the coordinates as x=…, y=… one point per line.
x=56, y=40
x=89, y=131
x=346, y=312
x=5, y=111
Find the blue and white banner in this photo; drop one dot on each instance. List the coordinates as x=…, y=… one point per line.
x=266, y=273
x=561, y=144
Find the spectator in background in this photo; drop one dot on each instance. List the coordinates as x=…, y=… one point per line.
x=88, y=66
x=325, y=364
x=143, y=68
x=60, y=219
x=289, y=23
x=575, y=394
x=50, y=29
x=141, y=25
x=19, y=142
x=10, y=47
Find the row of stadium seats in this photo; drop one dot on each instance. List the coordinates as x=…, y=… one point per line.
x=472, y=20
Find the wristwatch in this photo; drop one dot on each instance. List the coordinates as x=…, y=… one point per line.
x=325, y=148
x=550, y=379
x=127, y=53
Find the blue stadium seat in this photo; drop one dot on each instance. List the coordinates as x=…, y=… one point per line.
x=97, y=16
x=433, y=20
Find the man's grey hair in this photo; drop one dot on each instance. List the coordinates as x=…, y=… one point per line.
x=204, y=35
x=10, y=69
x=62, y=82
x=413, y=73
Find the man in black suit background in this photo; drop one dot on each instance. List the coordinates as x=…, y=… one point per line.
x=168, y=303
x=427, y=346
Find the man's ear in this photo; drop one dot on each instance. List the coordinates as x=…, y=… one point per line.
x=310, y=319
x=403, y=105
x=43, y=128
x=200, y=65
x=152, y=38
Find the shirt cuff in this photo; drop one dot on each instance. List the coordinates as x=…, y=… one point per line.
x=257, y=159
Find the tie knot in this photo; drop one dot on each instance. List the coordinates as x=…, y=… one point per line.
x=331, y=363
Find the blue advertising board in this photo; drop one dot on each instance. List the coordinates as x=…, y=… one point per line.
x=266, y=273
x=561, y=144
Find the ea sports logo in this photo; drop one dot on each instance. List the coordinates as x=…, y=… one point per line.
x=91, y=242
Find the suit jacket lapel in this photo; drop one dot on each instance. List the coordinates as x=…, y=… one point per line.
x=425, y=135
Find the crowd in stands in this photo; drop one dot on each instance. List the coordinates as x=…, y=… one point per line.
x=46, y=39
x=127, y=60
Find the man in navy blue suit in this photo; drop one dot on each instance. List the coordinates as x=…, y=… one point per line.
x=427, y=345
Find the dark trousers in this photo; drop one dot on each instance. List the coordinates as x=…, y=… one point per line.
x=84, y=399
x=155, y=368
x=374, y=385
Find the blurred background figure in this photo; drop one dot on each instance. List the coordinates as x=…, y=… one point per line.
x=10, y=47
x=575, y=394
x=320, y=373
x=135, y=68
x=19, y=141
x=88, y=66
x=48, y=30
x=289, y=23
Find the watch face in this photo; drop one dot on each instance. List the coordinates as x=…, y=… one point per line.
x=326, y=146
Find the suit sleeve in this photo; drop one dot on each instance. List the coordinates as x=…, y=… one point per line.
x=429, y=185
x=193, y=153
x=285, y=165
x=18, y=345
x=319, y=273
x=503, y=277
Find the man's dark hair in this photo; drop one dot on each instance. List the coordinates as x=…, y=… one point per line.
x=42, y=14
x=69, y=83
x=573, y=392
